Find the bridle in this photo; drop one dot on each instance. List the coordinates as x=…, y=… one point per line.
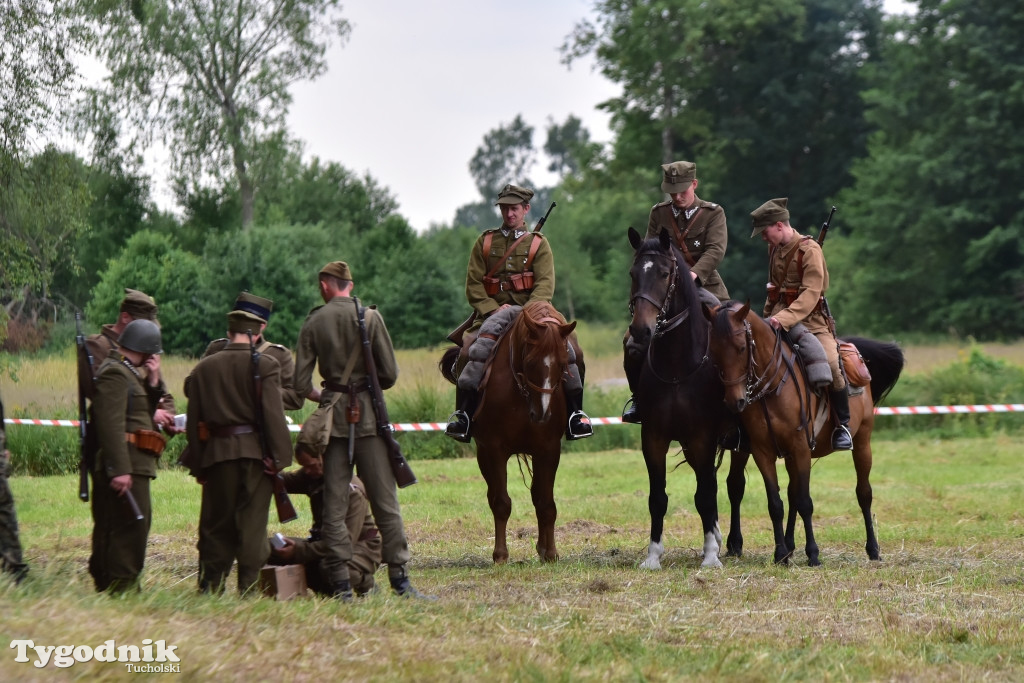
x=523, y=384
x=664, y=324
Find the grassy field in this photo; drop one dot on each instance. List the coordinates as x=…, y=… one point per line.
x=945, y=603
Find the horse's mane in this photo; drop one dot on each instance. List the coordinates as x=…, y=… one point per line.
x=542, y=338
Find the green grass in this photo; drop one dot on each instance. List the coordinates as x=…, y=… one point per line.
x=945, y=603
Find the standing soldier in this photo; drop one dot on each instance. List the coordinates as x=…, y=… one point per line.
x=135, y=305
x=128, y=388
x=698, y=228
x=261, y=308
x=331, y=339
x=230, y=392
x=510, y=266
x=797, y=282
x=10, y=544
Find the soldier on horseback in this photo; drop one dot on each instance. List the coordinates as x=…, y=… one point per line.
x=798, y=280
x=508, y=266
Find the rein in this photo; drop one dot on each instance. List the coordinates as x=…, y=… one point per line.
x=522, y=383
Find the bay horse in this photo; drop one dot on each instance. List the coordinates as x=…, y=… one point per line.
x=522, y=412
x=784, y=418
x=678, y=393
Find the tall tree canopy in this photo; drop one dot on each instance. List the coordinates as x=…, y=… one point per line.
x=211, y=77
x=937, y=236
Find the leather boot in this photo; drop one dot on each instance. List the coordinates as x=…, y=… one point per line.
x=342, y=590
x=842, y=440
x=630, y=413
x=579, y=426
x=404, y=589
x=459, y=422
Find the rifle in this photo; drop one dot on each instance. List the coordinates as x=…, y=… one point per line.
x=285, y=510
x=544, y=218
x=84, y=456
x=399, y=466
x=822, y=234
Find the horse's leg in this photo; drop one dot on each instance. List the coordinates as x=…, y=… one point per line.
x=705, y=499
x=862, y=464
x=791, y=517
x=736, y=483
x=799, y=466
x=655, y=449
x=766, y=464
x=494, y=468
x=542, y=491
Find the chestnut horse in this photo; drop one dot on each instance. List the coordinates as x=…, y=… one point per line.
x=522, y=412
x=678, y=392
x=784, y=418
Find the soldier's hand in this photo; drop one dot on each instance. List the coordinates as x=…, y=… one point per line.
x=121, y=483
x=165, y=419
x=152, y=364
x=287, y=552
x=774, y=322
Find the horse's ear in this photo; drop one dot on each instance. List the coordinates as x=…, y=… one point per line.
x=742, y=313
x=665, y=239
x=634, y=238
x=566, y=329
x=708, y=313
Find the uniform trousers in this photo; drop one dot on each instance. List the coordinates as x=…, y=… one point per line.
x=832, y=353
x=118, y=539
x=10, y=544
x=371, y=461
x=233, y=523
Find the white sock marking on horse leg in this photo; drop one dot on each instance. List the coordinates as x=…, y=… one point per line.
x=711, y=548
x=654, y=552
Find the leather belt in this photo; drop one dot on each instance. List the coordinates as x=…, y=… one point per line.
x=359, y=387
x=230, y=430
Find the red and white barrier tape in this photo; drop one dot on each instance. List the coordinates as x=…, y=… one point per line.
x=439, y=426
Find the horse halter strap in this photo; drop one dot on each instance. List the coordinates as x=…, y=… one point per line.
x=661, y=324
x=523, y=384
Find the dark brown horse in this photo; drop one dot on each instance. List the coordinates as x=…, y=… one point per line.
x=765, y=384
x=522, y=412
x=678, y=392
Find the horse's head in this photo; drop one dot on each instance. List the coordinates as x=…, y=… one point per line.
x=731, y=349
x=661, y=289
x=540, y=355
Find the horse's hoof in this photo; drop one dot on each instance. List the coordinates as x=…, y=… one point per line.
x=712, y=562
x=651, y=563
x=815, y=562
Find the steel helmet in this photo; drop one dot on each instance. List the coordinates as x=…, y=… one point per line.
x=142, y=336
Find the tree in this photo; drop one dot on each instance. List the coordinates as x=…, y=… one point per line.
x=505, y=156
x=212, y=77
x=569, y=146
x=937, y=227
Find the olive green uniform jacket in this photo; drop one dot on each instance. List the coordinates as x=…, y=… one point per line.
x=703, y=238
x=283, y=356
x=543, y=268
x=222, y=395
x=328, y=337
x=799, y=268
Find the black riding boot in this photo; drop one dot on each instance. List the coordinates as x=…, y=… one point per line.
x=579, y=426
x=459, y=422
x=842, y=440
x=629, y=412
x=400, y=584
x=342, y=590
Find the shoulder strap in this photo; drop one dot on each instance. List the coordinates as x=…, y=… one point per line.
x=511, y=248
x=534, y=247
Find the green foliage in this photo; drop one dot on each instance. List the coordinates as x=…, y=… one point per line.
x=505, y=156
x=151, y=263
x=935, y=208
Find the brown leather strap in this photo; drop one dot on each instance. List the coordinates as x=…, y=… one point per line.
x=358, y=387
x=146, y=440
x=512, y=247
x=231, y=430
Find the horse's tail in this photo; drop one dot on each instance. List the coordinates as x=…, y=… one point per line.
x=885, y=362
x=447, y=363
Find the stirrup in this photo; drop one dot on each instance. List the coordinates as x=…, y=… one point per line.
x=842, y=440
x=579, y=426
x=458, y=426
x=630, y=413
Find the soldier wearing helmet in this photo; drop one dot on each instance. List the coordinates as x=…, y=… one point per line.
x=128, y=387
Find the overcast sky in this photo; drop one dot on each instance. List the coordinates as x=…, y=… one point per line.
x=409, y=97
x=412, y=93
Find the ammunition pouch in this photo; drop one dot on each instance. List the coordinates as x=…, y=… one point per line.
x=513, y=282
x=147, y=440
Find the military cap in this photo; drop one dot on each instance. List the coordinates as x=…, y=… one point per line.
x=244, y=321
x=138, y=304
x=338, y=269
x=769, y=213
x=677, y=176
x=256, y=305
x=513, y=194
